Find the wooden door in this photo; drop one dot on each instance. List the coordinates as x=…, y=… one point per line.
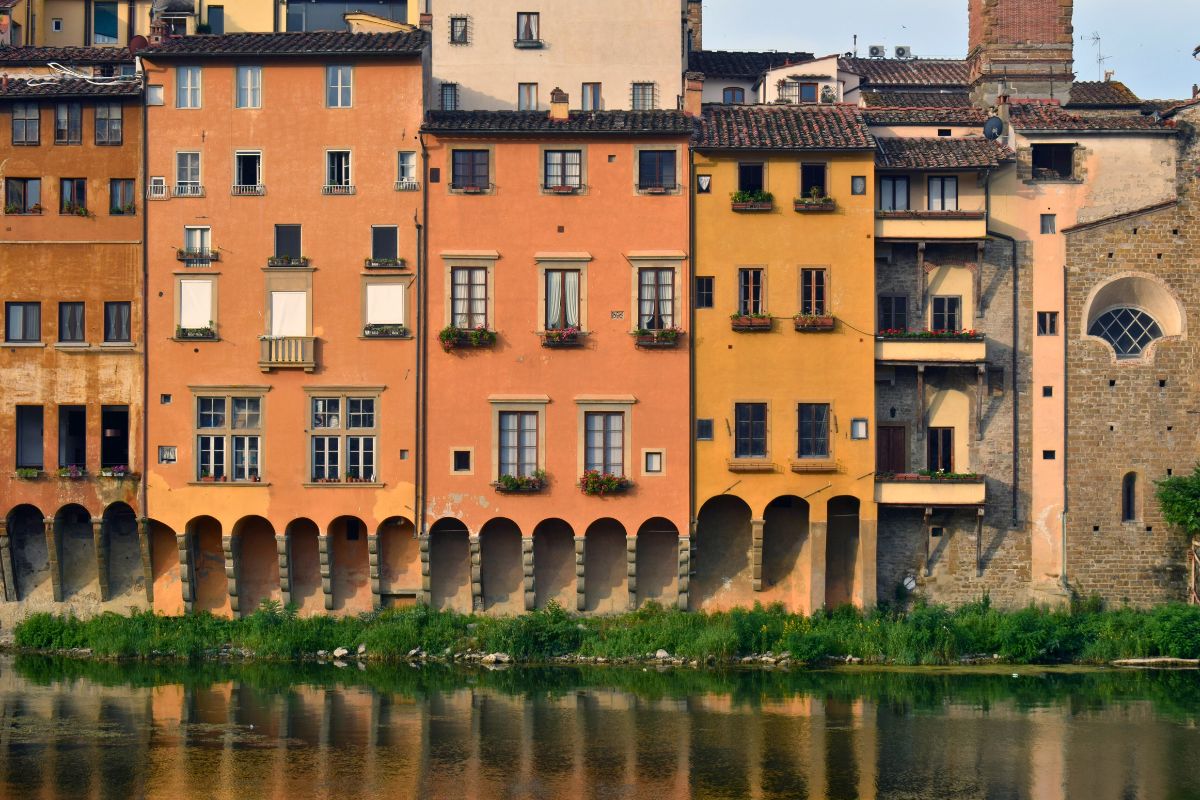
x=891, y=450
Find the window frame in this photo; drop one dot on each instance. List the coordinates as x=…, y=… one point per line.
x=71, y=114
x=535, y=30
x=751, y=291
x=812, y=428
x=116, y=192
x=346, y=435
x=939, y=450
x=128, y=318
x=814, y=291
x=527, y=97
x=657, y=318
x=345, y=180
x=657, y=185
x=464, y=29
x=448, y=89
x=606, y=465
x=749, y=451
x=472, y=158
x=12, y=183
x=187, y=91
x=222, y=438
x=470, y=317
x=643, y=96
x=70, y=192
x=1047, y=323
x=563, y=322
x=888, y=184
x=523, y=468
x=591, y=96
x=943, y=197
x=738, y=92
x=25, y=140
x=745, y=176
x=63, y=325
x=563, y=168
x=894, y=301
x=806, y=185
x=336, y=87
x=114, y=134
x=947, y=301
x=252, y=88
x=703, y=293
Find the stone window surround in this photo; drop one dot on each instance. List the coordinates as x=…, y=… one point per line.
x=680, y=166
x=567, y=261
x=370, y=280
x=228, y=392
x=1169, y=294
x=470, y=258
x=213, y=276
x=343, y=393
x=517, y=403
x=604, y=403
x=491, y=151
x=297, y=279
x=657, y=259
x=583, y=165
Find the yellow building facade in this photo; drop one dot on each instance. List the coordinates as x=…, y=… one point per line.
x=784, y=358
x=75, y=23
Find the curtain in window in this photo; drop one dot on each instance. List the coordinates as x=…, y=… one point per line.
x=554, y=299
x=116, y=322
x=195, y=304
x=468, y=297
x=71, y=322
x=571, y=281
x=24, y=321
x=647, y=303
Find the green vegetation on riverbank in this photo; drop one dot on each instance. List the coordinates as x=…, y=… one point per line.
x=925, y=635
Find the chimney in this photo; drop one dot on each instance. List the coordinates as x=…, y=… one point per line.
x=1028, y=43
x=693, y=93
x=560, y=105
x=695, y=24
x=425, y=22
x=158, y=31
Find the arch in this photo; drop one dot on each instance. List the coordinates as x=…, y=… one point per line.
x=1129, y=497
x=605, y=569
x=1131, y=312
x=502, y=578
x=841, y=551
x=210, y=588
x=554, y=564
x=125, y=576
x=450, y=565
x=658, y=561
x=256, y=563
x=76, y=544
x=399, y=562
x=786, y=575
x=304, y=566
x=721, y=564
x=350, y=565
x=31, y=560
x=164, y=568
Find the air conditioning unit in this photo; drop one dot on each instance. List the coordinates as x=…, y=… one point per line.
x=903, y=51
x=877, y=51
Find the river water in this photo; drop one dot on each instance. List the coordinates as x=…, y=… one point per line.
x=71, y=729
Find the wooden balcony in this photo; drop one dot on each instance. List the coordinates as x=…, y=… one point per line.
x=922, y=491
x=286, y=352
x=930, y=225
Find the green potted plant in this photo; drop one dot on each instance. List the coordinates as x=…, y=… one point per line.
x=813, y=322
x=597, y=484
x=205, y=332
x=562, y=337
x=753, y=322
x=657, y=337
x=384, y=263
x=452, y=337
x=965, y=335
x=119, y=471
x=72, y=472
x=28, y=473
x=287, y=261
x=752, y=201
x=382, y=330
x=816, y=200
x=516, y=484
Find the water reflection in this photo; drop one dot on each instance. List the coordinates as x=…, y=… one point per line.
x=71, y=729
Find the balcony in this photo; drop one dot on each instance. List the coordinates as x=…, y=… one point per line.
x=244, y=190
x=408, y=186
x=527, y=43
x=187, y=190
x=294, y=262
x=286, y=352
x=192, y=257
x=156, y=191
x=337, y=189
x=912, y=489
x=916, y=348
x=930, y=225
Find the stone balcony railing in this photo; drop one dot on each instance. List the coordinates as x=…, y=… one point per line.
x=286, y=352
x=925, y=225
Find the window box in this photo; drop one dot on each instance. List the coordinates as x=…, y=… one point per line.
x=746, y=207
x=327, y=480
x=598, y=484
x=16, y=210
x=751, y=323
x=75, y=210
x=359, y=478
x=662, y=338
x=562, y=337
x=127, y=210
x=926, y=475
x=516, y=484
x=918, y=214
x=197, y=255
x=746, y=201
x=806, y=205
x=471, y=189
x=528, y=44
x=384, y=263
x=806, y=323
x=207, y=332
x=120, y=472
x=287, y=261
x=452, y=337
x=954, y=336
x=803, y=465
x=564, y=189
x=379, y=330
x=750, y=465
x=72, y=472
x=28, y=473
x=658, y=189
x=257, y=190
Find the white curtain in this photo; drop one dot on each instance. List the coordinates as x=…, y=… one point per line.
x=572, y=286
x=647, y=318
x=385, y=303
x=554, y=315
x=195, y=303
x=289, y=313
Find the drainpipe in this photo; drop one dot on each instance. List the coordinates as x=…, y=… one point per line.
x=130, y=21
x=422, y=342
x=1062, y=572
x=87, y=23
x=145, y=310
x=275, y=6
x=691, y=272
x=1016, y=339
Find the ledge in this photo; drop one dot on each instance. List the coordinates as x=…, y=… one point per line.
x=24, y=344
x=238, y=484
x=344, y=485
x=750, y=465
x=72, y=345
x=813, y=465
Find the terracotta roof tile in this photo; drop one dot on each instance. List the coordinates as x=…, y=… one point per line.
x=1050, y=117
x=962, y=115
x=298, y=44
x=898, y=72
x=612, y=123
x=837, y=127
x=64, y=55
x=939, y=153
x=22, y=88
x=741, y=64
x=877, y=99
x=1102, y=94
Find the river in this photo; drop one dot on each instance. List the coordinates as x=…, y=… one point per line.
x=78, y=729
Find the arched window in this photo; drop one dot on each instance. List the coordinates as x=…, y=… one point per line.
x=733, y=94
x=1129, y=497
x=1129, y=330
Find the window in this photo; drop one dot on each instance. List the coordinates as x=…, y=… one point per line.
x=813, y=180
x=120, y=197
x=338, y=86
x=812, y=291
x=1048, y=455
x=70, y=322
x=604, y=442
x=72, y=196
x=337, y=171
x=653, y=464
x=249, y=87
x=23, y=322
x=197, y=239
x=704, y=291
x=813, y=426
x=353, y=435
x=1047, y=323
x=56, y=24
x=187, y=87
x=591, y=97
x=704, y=430
x=167, y=454
x=195, y=304
x=406, y=168
x=470, y=169
x=460, y=461
x=893, y=313
x=947, y=313
x=288, y=241
x=893, y=194
x=733, y=95
x=642, y=96
x=656, y=170
x=384, y=242
x=859, y=428
x=187, y=175
x=1049, y=223
x=1128, y=330
x=459, y=31
x=943, y=131
x=941, y=450
x=216, y=20
x=116, y=322
x=797, y=92
x=656, y=298
x=72, y=436
x=750, y=430
x=449, y=92
x=527, y=97
x=943, y=193
x=562, y=299
x=229, y=424
x=247, y=172
x=518, y=443
x=528, y=27
x=26, y=123
x=1053, y=161
x=1129, y=497
x=750, y=178
x=563, y=168
x=68, y=123
x=30, y=436
x=114, y=441
x=750, y=291
x=108, y=123
x=23, y=196
x=104, y=23
x=386, y=305
x=468, y=297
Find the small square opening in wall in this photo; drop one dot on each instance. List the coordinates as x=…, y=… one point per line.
x=937, y=532
x=167, y=453
x=1111, y=383
x=1048, y=455
x=1047, y=391
x=56, y=25
x=462, y=460
x=164, y=399
x=1162, y=383
x=654, y=462
x=859, y=429
x=1047, y=323
x=704, y=430
x=943, y=131
x=404, y=455
x=1049, y=223
x=1095, y=529
x=1170, y=472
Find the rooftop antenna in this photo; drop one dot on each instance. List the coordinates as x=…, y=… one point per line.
x=1100, y=57
x=856, y=46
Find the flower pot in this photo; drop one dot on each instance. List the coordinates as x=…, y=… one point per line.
x=808, y=206
x=748, y=323
x=806, y=324
x=758, y=205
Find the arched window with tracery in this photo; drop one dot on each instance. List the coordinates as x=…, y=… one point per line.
x=1129, y=330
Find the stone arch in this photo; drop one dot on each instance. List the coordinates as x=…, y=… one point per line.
x=554, y=564
x=75, y=541
x=256, y=563
x=1146, y=297
x=450, y=565
x=399, y=562
x=657, y=564
x=165, y=569
x=126, y=578
x=842, y=551
x=350, y=565
x=30, y=558
x=785, y=574
x=501, y=575
x=304, y=566
x=721, y=562
x=605, y=568
x=209, y=586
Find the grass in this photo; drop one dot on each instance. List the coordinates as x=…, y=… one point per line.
x=1084, y=633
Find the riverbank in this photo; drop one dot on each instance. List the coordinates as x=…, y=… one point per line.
x=925, y=635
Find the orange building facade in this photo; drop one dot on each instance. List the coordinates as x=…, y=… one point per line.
x=282, y=267
x=556, y=407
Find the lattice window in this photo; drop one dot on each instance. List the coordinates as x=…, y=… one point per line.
x=1128, y=330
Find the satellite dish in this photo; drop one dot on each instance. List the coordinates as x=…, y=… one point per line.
x=137, y=43
x=993, y=128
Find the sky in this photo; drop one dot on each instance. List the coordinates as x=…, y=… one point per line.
x=1149, y=48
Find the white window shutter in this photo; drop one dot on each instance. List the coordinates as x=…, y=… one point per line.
x=289, y=313
x=195, y=303
x=385, y=303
